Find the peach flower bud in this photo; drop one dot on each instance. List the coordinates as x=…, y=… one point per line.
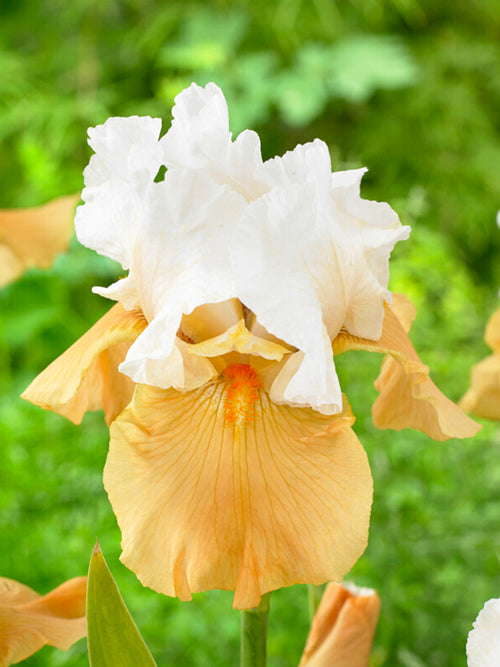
x=343, y=628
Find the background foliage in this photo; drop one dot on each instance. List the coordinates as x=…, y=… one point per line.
x=409, y=88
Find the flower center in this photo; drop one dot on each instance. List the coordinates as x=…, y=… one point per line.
x=242, y=394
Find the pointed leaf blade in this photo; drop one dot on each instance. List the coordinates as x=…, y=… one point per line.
x=113, y=637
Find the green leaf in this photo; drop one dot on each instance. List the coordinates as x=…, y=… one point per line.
x=362, y=64
x=113, y=637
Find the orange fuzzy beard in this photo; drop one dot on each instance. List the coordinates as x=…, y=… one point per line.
x=242, y=394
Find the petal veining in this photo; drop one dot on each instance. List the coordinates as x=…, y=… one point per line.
x=204, y=505
x=86, y=376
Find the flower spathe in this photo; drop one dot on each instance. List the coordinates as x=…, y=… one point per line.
x=234, y=464
x=343, y=627
x=34, y=236
x=28, y=620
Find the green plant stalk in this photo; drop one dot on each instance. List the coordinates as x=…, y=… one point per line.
x=253, y=638
x=314, y=595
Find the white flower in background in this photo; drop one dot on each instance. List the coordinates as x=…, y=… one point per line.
x=483, y=642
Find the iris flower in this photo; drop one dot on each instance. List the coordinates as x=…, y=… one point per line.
x=483, y=396
x=28, y=621
x=34, y=236
x=343, y=627
x=232, y=461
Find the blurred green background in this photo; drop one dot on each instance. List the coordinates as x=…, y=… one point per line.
x=408, y=88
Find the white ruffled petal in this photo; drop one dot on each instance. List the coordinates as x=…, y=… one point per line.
x=124, y=147
x=199, y=138
x=287, y=272
x=183, y=255
x=309, y=163
x=483, y=642
x=123, y=290
x=369, y=231
x=294, y=243
x=200, y=128
x=117, y=180
x=307, y=264
x=109, y=220
x=160, y=359
x=180, y=262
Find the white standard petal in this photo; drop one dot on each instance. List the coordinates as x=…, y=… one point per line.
x=123, y=290
x=305, y=163
x=180, y=262
x=147, y=361
x=287, y=272
x=117, y=181
x=200, y=126
x=110, y=219
x=124, y=147
x=483, y=642
x=367, y=232
x=199, y=138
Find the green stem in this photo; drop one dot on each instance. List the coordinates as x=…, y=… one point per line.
x=253, y=647
x=314, y=595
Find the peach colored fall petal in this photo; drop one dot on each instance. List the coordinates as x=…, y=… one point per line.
x=342, y=631
x=492, y=333
x=221, y=488
x=34, y=236
x=10, y=266
x=483, y=396
x=408, y=397
x=86, y=377
x=28, y=621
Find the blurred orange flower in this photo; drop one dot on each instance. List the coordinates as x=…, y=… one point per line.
x=232, y=460
x=34, y=236
x=343, y=628
x=483, y=396
x=28, y=621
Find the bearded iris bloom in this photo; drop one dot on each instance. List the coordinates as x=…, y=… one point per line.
x=232, y=460
x=34, y=236
x=28, y=620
